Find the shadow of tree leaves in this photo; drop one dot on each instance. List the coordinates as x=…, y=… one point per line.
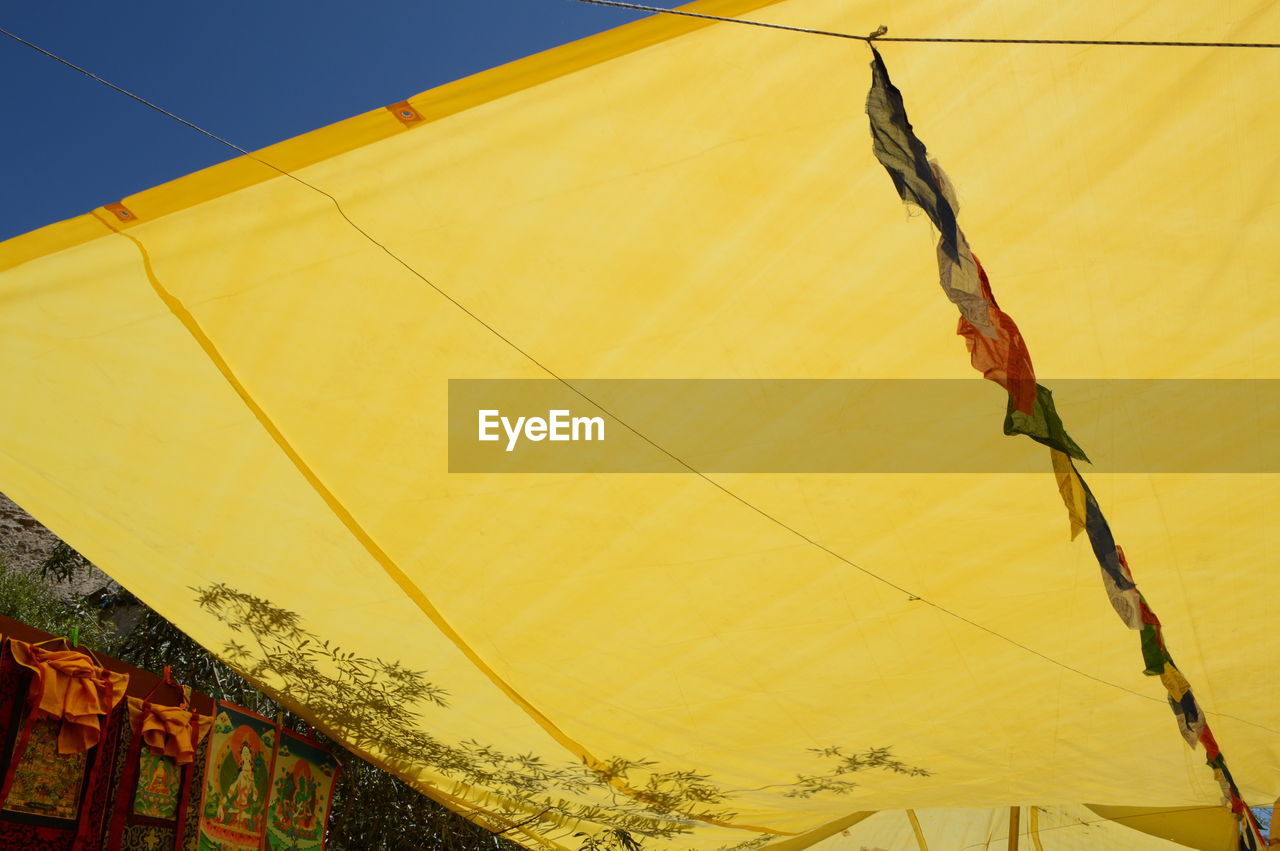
x=377, y=706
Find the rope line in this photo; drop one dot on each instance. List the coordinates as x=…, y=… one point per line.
x=779, y=522
x=640, y=7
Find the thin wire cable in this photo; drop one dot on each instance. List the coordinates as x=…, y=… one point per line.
x=640, y=7
x=540, y=365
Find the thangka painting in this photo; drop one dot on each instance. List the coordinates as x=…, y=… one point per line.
x=159, y=787
x=148, y=821
x=301, y=792
x=233, y=811
x=45, y=782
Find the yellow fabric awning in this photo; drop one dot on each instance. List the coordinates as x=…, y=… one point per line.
x=231, y=395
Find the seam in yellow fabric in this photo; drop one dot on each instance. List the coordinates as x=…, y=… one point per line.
x=189, y=322
x=821, y=832
x=1035, y=828
x=915, y=826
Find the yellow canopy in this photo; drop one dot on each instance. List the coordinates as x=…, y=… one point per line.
x=231, y=394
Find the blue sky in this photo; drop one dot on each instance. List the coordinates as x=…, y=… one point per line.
x=253, y=72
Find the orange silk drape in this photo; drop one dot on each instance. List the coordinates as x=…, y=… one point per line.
x=168, y=730
x=70, y=686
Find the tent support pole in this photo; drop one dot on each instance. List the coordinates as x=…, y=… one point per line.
x=1014, y=813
